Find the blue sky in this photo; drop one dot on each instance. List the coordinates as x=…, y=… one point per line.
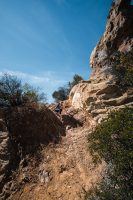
x=45, y=42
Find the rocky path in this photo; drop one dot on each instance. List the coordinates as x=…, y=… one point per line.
x=65, y=171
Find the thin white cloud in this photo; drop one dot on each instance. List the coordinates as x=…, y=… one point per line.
x=25, y=76
x=48, y=81
x=48, y=78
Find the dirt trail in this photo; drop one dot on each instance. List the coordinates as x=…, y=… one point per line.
x=65, y=171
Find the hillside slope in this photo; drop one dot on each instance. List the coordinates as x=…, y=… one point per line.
x=66, y=169
x=44, y=156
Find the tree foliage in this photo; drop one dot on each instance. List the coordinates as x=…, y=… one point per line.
x=76, y=79
x=63, y=92
x=112, y=141
x=10, y=90
x=14, y=93
x=31, y=94
x=60, y=94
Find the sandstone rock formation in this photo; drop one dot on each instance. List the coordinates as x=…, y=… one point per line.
x=101, y=93
x=117, y=37
x=33, y=125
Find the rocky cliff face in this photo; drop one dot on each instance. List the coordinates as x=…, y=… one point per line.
x=117, y=37
x=101, y=93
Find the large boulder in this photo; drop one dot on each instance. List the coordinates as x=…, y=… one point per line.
x=30, y=126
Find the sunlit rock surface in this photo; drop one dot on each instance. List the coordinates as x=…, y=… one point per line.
x=101, y=93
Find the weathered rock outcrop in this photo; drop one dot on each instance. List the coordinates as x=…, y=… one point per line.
x=117, y=37
x=7, y=158
x=4, y=153
x=23, y=132
x=101, y=93
x=33, y=125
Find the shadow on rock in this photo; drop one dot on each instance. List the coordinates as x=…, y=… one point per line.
x=69, y=120
x=32, y=126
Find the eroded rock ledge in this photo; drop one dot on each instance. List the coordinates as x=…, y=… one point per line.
x=101, y=93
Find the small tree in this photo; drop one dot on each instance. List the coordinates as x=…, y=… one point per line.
x=63, y=92
x=31, y=94
x=13, y=93
x=76, y=79
x=10, y=90
x=60, y=94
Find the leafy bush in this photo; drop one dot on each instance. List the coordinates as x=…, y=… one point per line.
x=124, y=68
x=13, y=93
x=112, y=141
x=63, y=92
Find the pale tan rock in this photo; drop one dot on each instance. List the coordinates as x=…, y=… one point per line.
x=101, y=93
x=118, y=36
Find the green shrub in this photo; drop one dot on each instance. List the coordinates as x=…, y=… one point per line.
x=124, y=68
x=112, y=141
